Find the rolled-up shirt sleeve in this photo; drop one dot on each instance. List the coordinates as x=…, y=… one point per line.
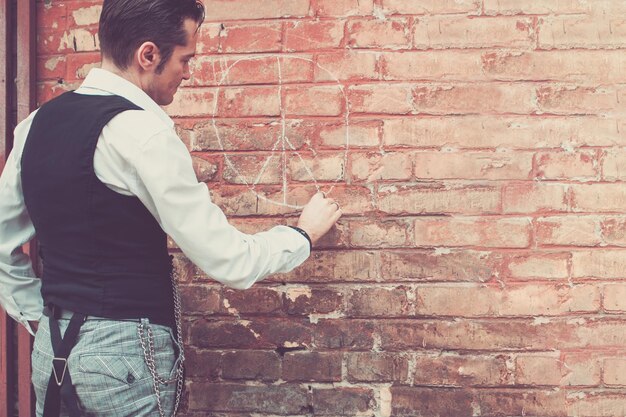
x=166, y=183
x=20, y=289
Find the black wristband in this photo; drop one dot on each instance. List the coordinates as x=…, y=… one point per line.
x=303, y=233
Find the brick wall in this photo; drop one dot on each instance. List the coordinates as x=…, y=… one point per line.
x=476, y=147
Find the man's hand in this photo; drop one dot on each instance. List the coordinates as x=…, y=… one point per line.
x=318, y=216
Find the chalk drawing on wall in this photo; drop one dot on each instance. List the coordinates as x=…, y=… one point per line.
x=283, y=147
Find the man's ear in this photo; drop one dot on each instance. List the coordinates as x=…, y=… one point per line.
x=148, y=56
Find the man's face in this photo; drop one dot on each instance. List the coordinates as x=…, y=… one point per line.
x=163, y=86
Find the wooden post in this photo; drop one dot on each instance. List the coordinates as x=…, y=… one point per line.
x=6, y=117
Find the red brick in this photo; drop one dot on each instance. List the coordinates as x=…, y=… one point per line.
x=51, y=16
x=334, y=266
x=218, y=10
x=84, y=13
x=196, y=102
x=534, y=7
x=516, y=402
x=243, y=334
x=305, y=300
x=78, y=65
x=316, y=167
x=361, y=134
x=203, y=363
x=614, y=298
x=531, y=197
x=450, y=265
x=432, y=65
x=212, y=71
x=474, y=32
x=312, y=35
x=209, y=38
x=430, y=6
x=614, y=371
x=438, y=198
x=568, y=231
x=606, y=263
x=474, y=98
x=312, y=366
x=344, y=334
x=597, y=404
x=463, y=370
x=346, y=65
x=579, y=166
x=249, y=168
x=252, y=365
x=48, y=90
x=505, y=233
x=379, y=98
x=388, y=233
x=513, y=300
x=384, y=302
x=72, y=40
x=255, y=37
x=598, y=197
x=498, y=334
x=342, y=401
x=342, y=8
x=256, y=300
x=595, y=31
x=314, y=101
x=241, y=135
x=613, y=230
x=283, y=399
x=388, y=33
x=558, y=369
x=502, y=131
x=376, y=166
x=242, y=102
x=51, y=67
x=536, y=266
x=575, y=66
x=205, y=167
x=201, y=299
x=417, y=402
x=613, y=162
x=475, y=165
x=376, y=367
x=576, y=100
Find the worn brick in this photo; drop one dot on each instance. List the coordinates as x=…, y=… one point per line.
x=342, y=401
x=481, y=32
x=366, y=302
x=312, y=35
x=463, y=370
x=255, y=9
x=224, y=397
x=505, y=232
x=312, y=366
x=376, y=367
x=439, y=198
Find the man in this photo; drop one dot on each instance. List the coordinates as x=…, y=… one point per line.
x=100, y=176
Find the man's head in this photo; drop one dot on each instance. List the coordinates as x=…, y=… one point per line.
x=152, y=39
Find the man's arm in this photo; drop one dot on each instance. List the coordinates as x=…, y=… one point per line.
x=166, y=183
x=20, y=289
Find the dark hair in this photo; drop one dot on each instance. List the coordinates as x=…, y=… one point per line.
x=126, y=24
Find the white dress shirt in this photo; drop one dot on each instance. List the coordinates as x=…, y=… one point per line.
x=140, y=154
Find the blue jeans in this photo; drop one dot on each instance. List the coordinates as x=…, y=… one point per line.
x=108, y=368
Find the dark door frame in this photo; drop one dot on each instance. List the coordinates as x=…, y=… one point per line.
x=18, y=48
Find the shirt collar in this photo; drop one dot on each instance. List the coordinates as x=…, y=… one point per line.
x=106, y=81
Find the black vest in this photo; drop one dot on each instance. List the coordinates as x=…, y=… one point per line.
x=103, y=253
